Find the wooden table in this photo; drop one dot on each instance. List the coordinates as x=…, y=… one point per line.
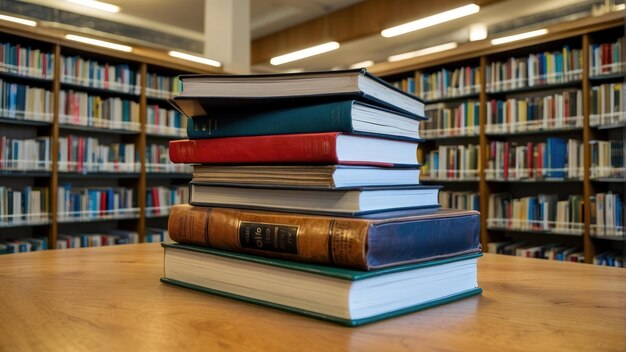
x=110, y=298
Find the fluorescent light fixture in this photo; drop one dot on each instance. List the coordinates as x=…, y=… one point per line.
x=422, y=52
x=361, y=64
x=194, y=58
x=18, y=20
x=620, y=7
x=98, y=5
x=477, y=32
x=520, y=36
x=304, y=53
x=431, y=20
x=97, y=42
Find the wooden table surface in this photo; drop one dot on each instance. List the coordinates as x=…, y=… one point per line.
x=110, y=299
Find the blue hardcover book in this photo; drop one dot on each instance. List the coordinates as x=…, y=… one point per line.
x=348, y=116
x=556, y=154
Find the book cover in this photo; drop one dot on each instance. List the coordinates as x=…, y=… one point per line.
x=305, y=148
x=348, y=116
x=181, y=269
x=366, y=242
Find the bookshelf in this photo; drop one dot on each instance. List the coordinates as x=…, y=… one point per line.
x=518, y=111
x=83, y=140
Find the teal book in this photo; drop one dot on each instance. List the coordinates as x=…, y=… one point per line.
x=348, y=116
x=339, y=295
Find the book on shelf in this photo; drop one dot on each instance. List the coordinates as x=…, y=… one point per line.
x=79, y=71
x=606, y=58
x=21, y=102
x=549, y=251
x=318, y=148
x=334, y=294
x=448, y=121
x=447, y=83
x=610, y=258
x=94, y=202
x=26, y=61
x=82, y=109
x=607, y=105
x=205, y=94
x=349, y=116
x=28, y=244
x=25, y=154
x=306, y=176
x=607, y=159
x=365, y=242
x=607, y=217
x=98, y=239
x=28, y=205
x=347, y=201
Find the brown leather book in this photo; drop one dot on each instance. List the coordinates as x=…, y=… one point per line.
x=368, y=242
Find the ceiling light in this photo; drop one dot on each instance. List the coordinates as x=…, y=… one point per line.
x=422, y=52
x=362, y=64
x=431, y=20
x=18, y=20
x=477, y=32
x=103, y=6
x=194, y=58
x=520, y=36
x=620, y=7
x=97, y=42
x=304, y=53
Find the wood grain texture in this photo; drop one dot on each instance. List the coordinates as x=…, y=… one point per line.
x=110, y=299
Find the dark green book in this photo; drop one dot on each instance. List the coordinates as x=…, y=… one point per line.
x=339, y=295
x=348, y=116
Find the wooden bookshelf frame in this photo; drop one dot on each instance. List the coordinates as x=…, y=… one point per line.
x=140, y=57
x=482, y=50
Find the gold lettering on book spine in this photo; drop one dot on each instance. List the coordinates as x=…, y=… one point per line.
x=349, y=243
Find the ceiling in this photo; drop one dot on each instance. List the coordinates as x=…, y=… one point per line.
x=184, y=18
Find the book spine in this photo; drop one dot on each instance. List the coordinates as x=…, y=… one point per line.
x=277, y=235
x=295, y=148
x=339, y=241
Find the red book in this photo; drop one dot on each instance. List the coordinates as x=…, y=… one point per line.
x=506, y=161
x=103, y=203
x=155, y=200
x=307, y=148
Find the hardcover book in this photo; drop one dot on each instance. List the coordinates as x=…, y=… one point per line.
x=346, y=201
x=306, y=148
x=348, y=116
x=306, y=176
x=338, y=295
x=367, y=242
x=204, y=93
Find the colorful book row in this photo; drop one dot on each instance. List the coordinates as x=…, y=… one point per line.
x=28, y=206
x=552, y=112
x=456, y=162
x=449, y=83
x=459, y=200
x=109, y=238
x=166, y=122
x=606, y=58
x=83, y=109
x=607, y=215
x=25, y=154
x=21, y=102
x=607, y=105
x=30, y=244
x=607, y=159
x=26, y=61
x=541, y=213
x=159, y=200
x=552, y=251
x=158, y=160
x=86, y=154
x=557, y=158
x=162, y=87
x=93, y=74
x=535, y=70
x=448, y=121
x=82, y=203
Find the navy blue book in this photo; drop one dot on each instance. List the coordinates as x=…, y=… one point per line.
x=350, y=116
x=205, y=94
x=363, y=242
x=556, y=155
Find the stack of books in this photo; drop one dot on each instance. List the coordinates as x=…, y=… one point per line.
x=305, y=197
